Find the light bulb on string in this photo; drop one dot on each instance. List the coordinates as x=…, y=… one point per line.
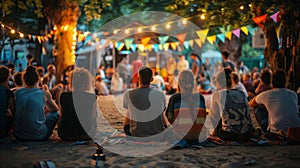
x=153, y=28
x=241, y=7
x=140, y=29
x=168, y=26
x=21, y=35
x=127, y=31
x=202, y=17
x=184, y=21
x=115, y=31
x=13, y=31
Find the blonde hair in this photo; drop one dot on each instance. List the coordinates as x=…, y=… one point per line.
x=81, y=80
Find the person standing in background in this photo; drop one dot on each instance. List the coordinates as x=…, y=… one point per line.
x=182, y=64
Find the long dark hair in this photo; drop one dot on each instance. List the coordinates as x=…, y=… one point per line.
x=30, y=76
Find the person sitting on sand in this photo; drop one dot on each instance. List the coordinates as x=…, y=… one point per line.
x=187, y=111
x=144, y=119
x=281, y=105
x=100, y=86
x=7, y=103
x=231, y=106
x=78, y=108
x=36, y=112
x=236, y=84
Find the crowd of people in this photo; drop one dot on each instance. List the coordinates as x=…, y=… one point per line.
x=34, y=103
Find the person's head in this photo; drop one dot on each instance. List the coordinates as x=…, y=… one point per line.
x=234, y=77
x=102, y=67
x=278, y=79
x=11, y=68
x=51, y=69
x=145, y=75
x=241, y=63
x=223, y=80
x=246, y=77
x=186, y=81
x=4, y=75
x=29, y=57
x=255, y=75
x=225, y=55
x=194, y=56
x=79, y=75
x=40, y=71
x=18, y=79
x=265, y=76
x=98, y=78
x=182, y=57
x=30, y=77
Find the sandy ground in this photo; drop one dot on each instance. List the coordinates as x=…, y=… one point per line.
x=15, y=153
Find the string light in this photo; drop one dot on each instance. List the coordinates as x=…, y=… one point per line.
x=21, y=35
x=127, y=31
x=168, y=26
x=115, y=31
x=222, y=9
x=250, y=5
x=12, y=31
x=153, y=28
x=202, y=17
x=140, y=29
x=242, y=7
x=184, y=21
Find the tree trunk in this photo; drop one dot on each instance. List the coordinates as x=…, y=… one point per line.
x=64, y=15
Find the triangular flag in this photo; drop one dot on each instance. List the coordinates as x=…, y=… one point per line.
x=102, y=41
x=222, y=29
x=29, y=36
x=39, y=39
x=155, y=47
x=133, y=47
x=141, y=47
x=145, y=40
x=228, y=35
x=166, y=46
x=212, y=39
x=173, y=45
x=191, y=43
x=181, y=37
x=198, y=42
x=202, y=34
x=128, y=42
x=163, y=39
x=275, y=17
x=119, y=45
x=221, y=37
x=186, y=44
x=259, y=20
x=160, y=47
x=245, y=30
x=149, y=47
x=237, y=32
x=33, y=37
x=250, y=29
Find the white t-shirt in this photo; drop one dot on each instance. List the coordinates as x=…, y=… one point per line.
x=281, y=104
x=158, y=81
x=241, y=87
x=182, y=65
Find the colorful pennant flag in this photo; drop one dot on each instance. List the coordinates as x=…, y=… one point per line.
x=160, y=47
x=237, y=32
x=145, y=40
x=155, y=47
x=119, y=45
x=202, y=34
x=212, y=39
x=163, y=39
x=198, y=42
x=133, y=47
x=141, y=47
x=166, y=46
x=228, y=35
x=181, y=37
x=275, y=17
x=102, y=41
x=222, y=29
x=245, y=30
x=250, y=29
x=221, y=37
x=259, y=20
x=128, y=42
x=191, y=43
x=149, y=47
x=173, y=45
x=186, y=44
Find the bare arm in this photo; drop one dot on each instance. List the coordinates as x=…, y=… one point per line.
x=253, y=103
x=11, y=104
x=126, y=119
x=51, y=106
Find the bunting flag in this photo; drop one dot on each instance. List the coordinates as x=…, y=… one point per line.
x=145, y=40
x=191, y=43
x=228, y=35
x=173, y=45
x=102, y=41
x=181, y=37
x=29, y=36
x=160, y=47
x=141, y=47
x=166, y=46
x=245, y=30
x=202, y=34
x=155, y=47
x=149, y=47
x=221, y=37
x=222, y=29
x=250, y=29
x=237, y=32
x=198, y=42
x=275, y=17
x=119, y=45
x=163, y=39
x=259, y=20
x=212, y=39
x=133, y=47
x=128, y=42
x=33, y=37
x=186, y=44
